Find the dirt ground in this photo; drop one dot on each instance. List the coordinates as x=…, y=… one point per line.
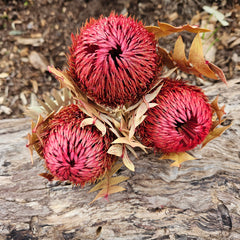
x=36, y=33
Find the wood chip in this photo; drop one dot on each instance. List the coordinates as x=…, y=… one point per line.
x=38, y=61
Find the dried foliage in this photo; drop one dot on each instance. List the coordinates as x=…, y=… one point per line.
x=122, y=120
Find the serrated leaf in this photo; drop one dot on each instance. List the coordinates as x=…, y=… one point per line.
x=216, y=132
x=106, y=183
x=165, y=29
x=106, y=192
x=114, y=169
x=196, y=58
x=116, y=150
x=178, y=158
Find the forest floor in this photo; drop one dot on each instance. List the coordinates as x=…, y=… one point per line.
x=37, y=33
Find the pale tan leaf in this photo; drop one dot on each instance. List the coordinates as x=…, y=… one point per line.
x=122, y=140
x=151, y=96
x=101, y=127
x=50, y=103
x=116, y=150
x=132, y=151
x=86, y=122
x=127, y=162
x=140, y=120
x=56, y=94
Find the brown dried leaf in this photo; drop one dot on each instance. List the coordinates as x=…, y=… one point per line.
x=218, y=71
x=48, y=176
x=196, y=58
x=179, y=54
x=165, y=29
x=178, y=158
x=216, y=132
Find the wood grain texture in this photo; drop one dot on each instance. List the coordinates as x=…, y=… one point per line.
x=200, y=200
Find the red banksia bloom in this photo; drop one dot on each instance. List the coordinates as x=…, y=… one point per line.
x=180, y=121
x=76, y=154
x=113, y=60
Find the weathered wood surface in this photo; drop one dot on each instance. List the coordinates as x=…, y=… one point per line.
x=201, y=200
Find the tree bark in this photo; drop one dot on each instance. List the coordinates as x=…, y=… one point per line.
x=200, y=200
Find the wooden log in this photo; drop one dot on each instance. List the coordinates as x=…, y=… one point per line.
x=200, y=200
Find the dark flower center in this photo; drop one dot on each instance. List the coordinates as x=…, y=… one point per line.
x=115, y=53
x=92, y=48
x=187, y=128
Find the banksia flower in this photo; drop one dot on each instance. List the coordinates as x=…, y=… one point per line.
x=72, y=153
x=181, y=120
x=113, y=60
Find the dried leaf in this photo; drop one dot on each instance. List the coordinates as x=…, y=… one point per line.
x=106, y=183
x=218, y=71
x=114, y=169
x=165, y=29
x=178, y=158
x=196, y=58
x=116, y=150
x=151, y=96
x=166, y=58
x=106, y=192
x=48, y=176
x=101, y=127
x=179, y=54
x=214, y=134
x=127, y=162
x=219, y=111
x=126, y=140
x=218, y=15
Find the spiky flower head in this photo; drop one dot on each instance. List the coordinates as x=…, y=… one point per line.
x=113, y=60
x=181, y=120
x=72, y=153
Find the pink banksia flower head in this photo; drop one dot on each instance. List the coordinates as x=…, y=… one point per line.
x=113, y=60
x=72, y=153
x=181, y=120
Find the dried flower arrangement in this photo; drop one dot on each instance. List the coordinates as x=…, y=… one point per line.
x=116, y=95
